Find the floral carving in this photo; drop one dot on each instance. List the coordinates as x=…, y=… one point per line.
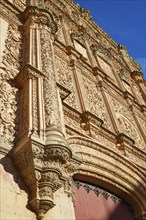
x=65, y=78
x=126, y=122
x=8, y=93
x=57, y=154
x=7, y=112
x=50, y=92
x=11, y=62
x=45, y=192
x=95, y=102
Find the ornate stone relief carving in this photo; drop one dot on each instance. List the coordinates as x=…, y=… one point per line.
x=72, y=119
x=59, y=33
x=94, y=102
x=96, y=47
x=42, y=155
x=137, y=92
x=65, y=78
x=51, y=107
x=78, y=37
x=63, y=73
x=8, y=108
x=142, y=123
x=126, y=123
x=133, y=65
x=53, y=164
x=11, y=62
x=21, y=4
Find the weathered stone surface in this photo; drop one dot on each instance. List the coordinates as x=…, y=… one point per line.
x=72, y=104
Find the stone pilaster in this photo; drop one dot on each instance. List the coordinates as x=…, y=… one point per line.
x=42, y=155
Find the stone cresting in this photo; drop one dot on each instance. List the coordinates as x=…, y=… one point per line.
x=42, y=155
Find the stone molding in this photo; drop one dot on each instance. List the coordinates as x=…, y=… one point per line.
x=128, y=181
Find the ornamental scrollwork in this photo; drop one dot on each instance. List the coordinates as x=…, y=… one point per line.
x=11, y=63
x=50, y=93
x=95, y=102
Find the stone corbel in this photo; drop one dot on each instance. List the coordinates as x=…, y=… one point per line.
x=45, y=167
x=122, y=141
x=88, y=120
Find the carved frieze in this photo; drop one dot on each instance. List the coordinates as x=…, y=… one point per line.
x=72, y=119
x=96, y=47
x=21, y=4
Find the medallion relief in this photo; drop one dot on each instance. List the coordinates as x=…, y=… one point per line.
x=126, y=123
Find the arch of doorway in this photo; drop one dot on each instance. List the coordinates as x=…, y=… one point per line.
x=107, y=168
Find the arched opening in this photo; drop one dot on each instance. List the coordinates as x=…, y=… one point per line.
x=95, y=203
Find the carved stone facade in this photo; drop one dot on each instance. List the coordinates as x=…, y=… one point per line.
x=72, y=107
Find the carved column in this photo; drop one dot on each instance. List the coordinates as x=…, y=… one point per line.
x=42, y=155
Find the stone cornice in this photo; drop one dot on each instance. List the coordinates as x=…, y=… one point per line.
x=9, y=12
x=40, y=16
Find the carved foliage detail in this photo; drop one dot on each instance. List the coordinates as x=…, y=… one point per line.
x=11, y=62
x=95, y=102
x=7, y=113
x=65, y=78
x=50, y=92
x=45, y=169
x=8, y=70
x=126, y=123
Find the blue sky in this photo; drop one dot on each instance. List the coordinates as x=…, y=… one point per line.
x=124, y=21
